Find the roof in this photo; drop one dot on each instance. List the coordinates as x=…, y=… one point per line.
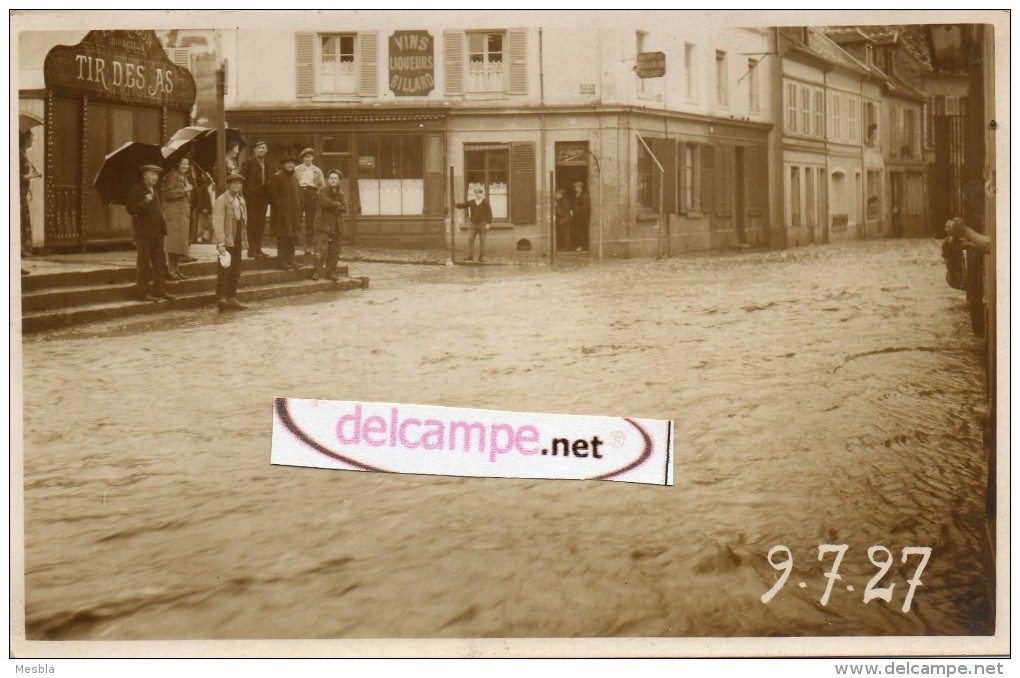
x=821, y=44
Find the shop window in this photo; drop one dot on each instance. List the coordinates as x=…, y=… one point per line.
x=390, y=175
x=489, y=168
x=486, y=72
x=689, y=178
x=795, y=197
x=646, y=192
x=337, y=73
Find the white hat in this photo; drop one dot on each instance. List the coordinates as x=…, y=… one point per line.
x=225, y=259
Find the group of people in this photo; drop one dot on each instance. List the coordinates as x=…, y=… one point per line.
x=572, y=216
x=299, y=198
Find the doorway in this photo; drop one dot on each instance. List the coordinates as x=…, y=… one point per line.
x=571, y=168
x=896, y=203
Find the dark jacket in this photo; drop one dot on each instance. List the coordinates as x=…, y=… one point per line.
x=478, y=213
x=146, y=217
x=329, y=216
x=285, y=201
x=254, y=187
x=582, y=208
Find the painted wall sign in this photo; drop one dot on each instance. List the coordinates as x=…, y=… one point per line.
x=121, y=66
x=412, y=63
x=432, y=440
x=651, y=64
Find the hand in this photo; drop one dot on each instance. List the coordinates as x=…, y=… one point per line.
x=148, y=197
x=956, y=228
x=487, y=226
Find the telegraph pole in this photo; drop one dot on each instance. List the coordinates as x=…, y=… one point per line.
x=221, y=128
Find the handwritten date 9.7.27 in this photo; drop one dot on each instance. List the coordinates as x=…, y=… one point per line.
x=881, y=557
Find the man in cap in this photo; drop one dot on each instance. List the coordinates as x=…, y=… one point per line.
x=310, y=180
x=285, y=199
x=257, y=176
x=230, y=217
x=479, y=220
x=149, y=227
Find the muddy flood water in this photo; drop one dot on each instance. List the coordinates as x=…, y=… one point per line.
x=824, y=395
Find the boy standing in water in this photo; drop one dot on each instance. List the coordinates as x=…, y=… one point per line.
x=480, y=218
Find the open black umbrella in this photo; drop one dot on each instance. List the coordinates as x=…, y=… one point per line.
x=122, y=169
x=200, y=143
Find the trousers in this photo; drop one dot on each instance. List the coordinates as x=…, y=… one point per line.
x=151, y=264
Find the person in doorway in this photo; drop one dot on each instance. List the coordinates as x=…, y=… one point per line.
x=311, y=181
x=285, y=204
x=329, y=228
x=230, y=234
x=27, y=172
x=563, y=239
x=257, y=177
x=202, y=211
x=580, y=213
x=149, y=227
x=479, y=221
x=178, y=192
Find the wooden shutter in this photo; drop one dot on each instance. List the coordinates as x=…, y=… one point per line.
x=522, y=183
x=665, y=151
x=305, y=60
x=453, y=62
x=725, y=178
x=368, y=54
x=707, y=178
x=518, y=60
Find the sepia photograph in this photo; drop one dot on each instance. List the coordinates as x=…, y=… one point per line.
x=754, y=264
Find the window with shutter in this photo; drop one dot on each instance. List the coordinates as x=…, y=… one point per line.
x=518, y=60
x=522, y=183
x=368, y=81
x=791, y=108
x=805, y=112
x=453, y=62
x=305, y=59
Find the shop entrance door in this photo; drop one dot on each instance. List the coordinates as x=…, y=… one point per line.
x=572, y=167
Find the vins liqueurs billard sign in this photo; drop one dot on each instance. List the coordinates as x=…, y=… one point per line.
x=121, y=66
x=412, y=63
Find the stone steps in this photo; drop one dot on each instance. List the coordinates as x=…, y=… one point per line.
x=56, y=300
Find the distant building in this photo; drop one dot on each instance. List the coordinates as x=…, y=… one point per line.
x=414, y=117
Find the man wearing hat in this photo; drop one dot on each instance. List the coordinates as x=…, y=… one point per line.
x=311, y=181
x=257, y=176
x=149, y=227
x=230, y=217
x=285, y=200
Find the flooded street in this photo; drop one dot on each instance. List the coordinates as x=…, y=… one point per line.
x=824, y=395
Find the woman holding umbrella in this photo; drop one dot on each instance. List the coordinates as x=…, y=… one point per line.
x=177, y=196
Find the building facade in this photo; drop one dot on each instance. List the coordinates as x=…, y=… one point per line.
x=416, y=117
x=82, y=95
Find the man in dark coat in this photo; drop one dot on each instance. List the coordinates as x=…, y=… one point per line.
x=285, y=200
x=329, y=216
x=580, y=214
x=257, y=176
x=149, y=226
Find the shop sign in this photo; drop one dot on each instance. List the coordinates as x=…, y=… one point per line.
x=574, y=154
x=412, y=63
x=651, y=64
x=121, y=66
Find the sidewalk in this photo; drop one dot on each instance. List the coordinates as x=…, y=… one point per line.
x=125, y=258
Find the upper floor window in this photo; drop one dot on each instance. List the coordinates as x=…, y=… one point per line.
x=754, y=88
x=689, y=71
x=337, y=73
x=805, y=109
x=337, y=64
x=722, y=84
x=870, y=123
x=853, y=103
x=485, y=62
x=836, y=105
